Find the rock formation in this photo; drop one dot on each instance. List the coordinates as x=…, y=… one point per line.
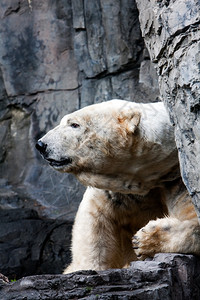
x=171, y=30
x=167, y=276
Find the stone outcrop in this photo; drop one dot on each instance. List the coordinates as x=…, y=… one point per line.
x=171, y=30
x=167, y=276
x=56, y=57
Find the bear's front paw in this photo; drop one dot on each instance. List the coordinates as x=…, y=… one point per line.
x=150, y=239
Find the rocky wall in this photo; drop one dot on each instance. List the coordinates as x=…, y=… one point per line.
x=56, y=57
x=171, y=30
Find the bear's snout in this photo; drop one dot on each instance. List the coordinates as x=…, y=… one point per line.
x=41, y=147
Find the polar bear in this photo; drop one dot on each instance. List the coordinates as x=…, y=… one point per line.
x=135, y=204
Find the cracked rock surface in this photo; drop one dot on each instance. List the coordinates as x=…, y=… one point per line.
x=167, y=276
x=171, y=30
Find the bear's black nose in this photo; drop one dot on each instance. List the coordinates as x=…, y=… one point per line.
x=40, y=146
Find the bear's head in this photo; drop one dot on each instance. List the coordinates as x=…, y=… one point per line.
x=113, y=145
x=97, y=138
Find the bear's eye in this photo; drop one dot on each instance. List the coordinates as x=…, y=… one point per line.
x=74, y=125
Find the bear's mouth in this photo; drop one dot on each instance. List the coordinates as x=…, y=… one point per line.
x=59, y=163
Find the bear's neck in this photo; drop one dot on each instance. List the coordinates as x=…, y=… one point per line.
x=139, y=183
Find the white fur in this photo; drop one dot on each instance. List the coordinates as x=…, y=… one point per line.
x=126, y=153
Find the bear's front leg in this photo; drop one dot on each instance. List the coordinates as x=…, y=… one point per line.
x=167, y=235
x=96, y=239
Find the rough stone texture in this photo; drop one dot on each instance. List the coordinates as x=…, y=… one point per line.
x=171, y=30
x=40, y=79
x=31, y=245
x=56, y=57
x=167, y=276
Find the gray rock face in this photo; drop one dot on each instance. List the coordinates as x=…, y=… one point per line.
x=172, y=35
x=30, y=245
x=56, y=57
x=167, y=276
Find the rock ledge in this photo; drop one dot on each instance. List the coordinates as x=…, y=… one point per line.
x=167, y=276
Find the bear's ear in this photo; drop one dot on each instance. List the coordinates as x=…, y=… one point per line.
x=130, y=120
